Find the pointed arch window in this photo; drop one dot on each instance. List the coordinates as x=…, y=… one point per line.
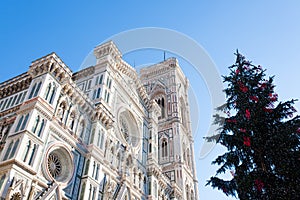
x=94, y=169
x=37, y=89
x=164, y=148
x=98, y=93
x=36, y=123
x=25, y=121
x=27, y=151
x=102, y=139
x=52, y=96
x=47, y=91
x=150, y=147
x=2, y=180
x=32, y=154
x=97, y=172
x=50, y=93
x=32, y=91
x=19, y=123
x=109, y=84
x=101, y=79
x=92, y=136
x=8, y=150
x=14, y=149
x=99, y=139
x=40, y=128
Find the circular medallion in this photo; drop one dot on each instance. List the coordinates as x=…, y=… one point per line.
x=59, y=164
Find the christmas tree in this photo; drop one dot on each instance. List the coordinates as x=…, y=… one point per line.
x=261, y=135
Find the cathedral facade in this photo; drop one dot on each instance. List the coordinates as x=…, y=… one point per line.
x=105, y=132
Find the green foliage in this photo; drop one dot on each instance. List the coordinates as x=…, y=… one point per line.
x=261, y=136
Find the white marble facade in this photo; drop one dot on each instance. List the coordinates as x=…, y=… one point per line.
x=105, y=132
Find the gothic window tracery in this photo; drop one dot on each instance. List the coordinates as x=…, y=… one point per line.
x=54, y=165
x=14, y=149
x=16, y=196
x=38, y=125
x=32, y=156
x=22, y=123
x=59, y=164
x=27, y=151
x=35, y=89
x=8, y=150
x=50, y=92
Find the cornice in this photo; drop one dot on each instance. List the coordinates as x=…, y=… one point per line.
x=15, y=85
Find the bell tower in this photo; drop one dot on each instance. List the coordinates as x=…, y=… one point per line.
x=166, y=84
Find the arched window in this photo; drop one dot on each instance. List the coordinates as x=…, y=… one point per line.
x=97, y=171
x=107, y=99
x=32, y=154
x=37, y=89
x=164, y=148
x=99, y=138
x=109, y=84
x=36, y=123
x=150, y=147
x=14, y=149
x=27, y=151
x=47, y=92
x=92, y=136
x=2, y=180
x=8, y=150
x=101, y=79
x=87, y=165
x=40, y=128
x=94, y=168
x=50, y=93
x=145, y=185
x=102, y=139
x=52, y=96
x=98, y=93
x=19, y=123
x=25, y=121
x=32, y=91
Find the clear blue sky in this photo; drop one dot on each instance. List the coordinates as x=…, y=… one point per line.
x=266, y=32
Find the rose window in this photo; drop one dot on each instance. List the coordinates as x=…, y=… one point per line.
x=16, y=196
x=54, y=165
x=128, y=128
x=59, y=164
